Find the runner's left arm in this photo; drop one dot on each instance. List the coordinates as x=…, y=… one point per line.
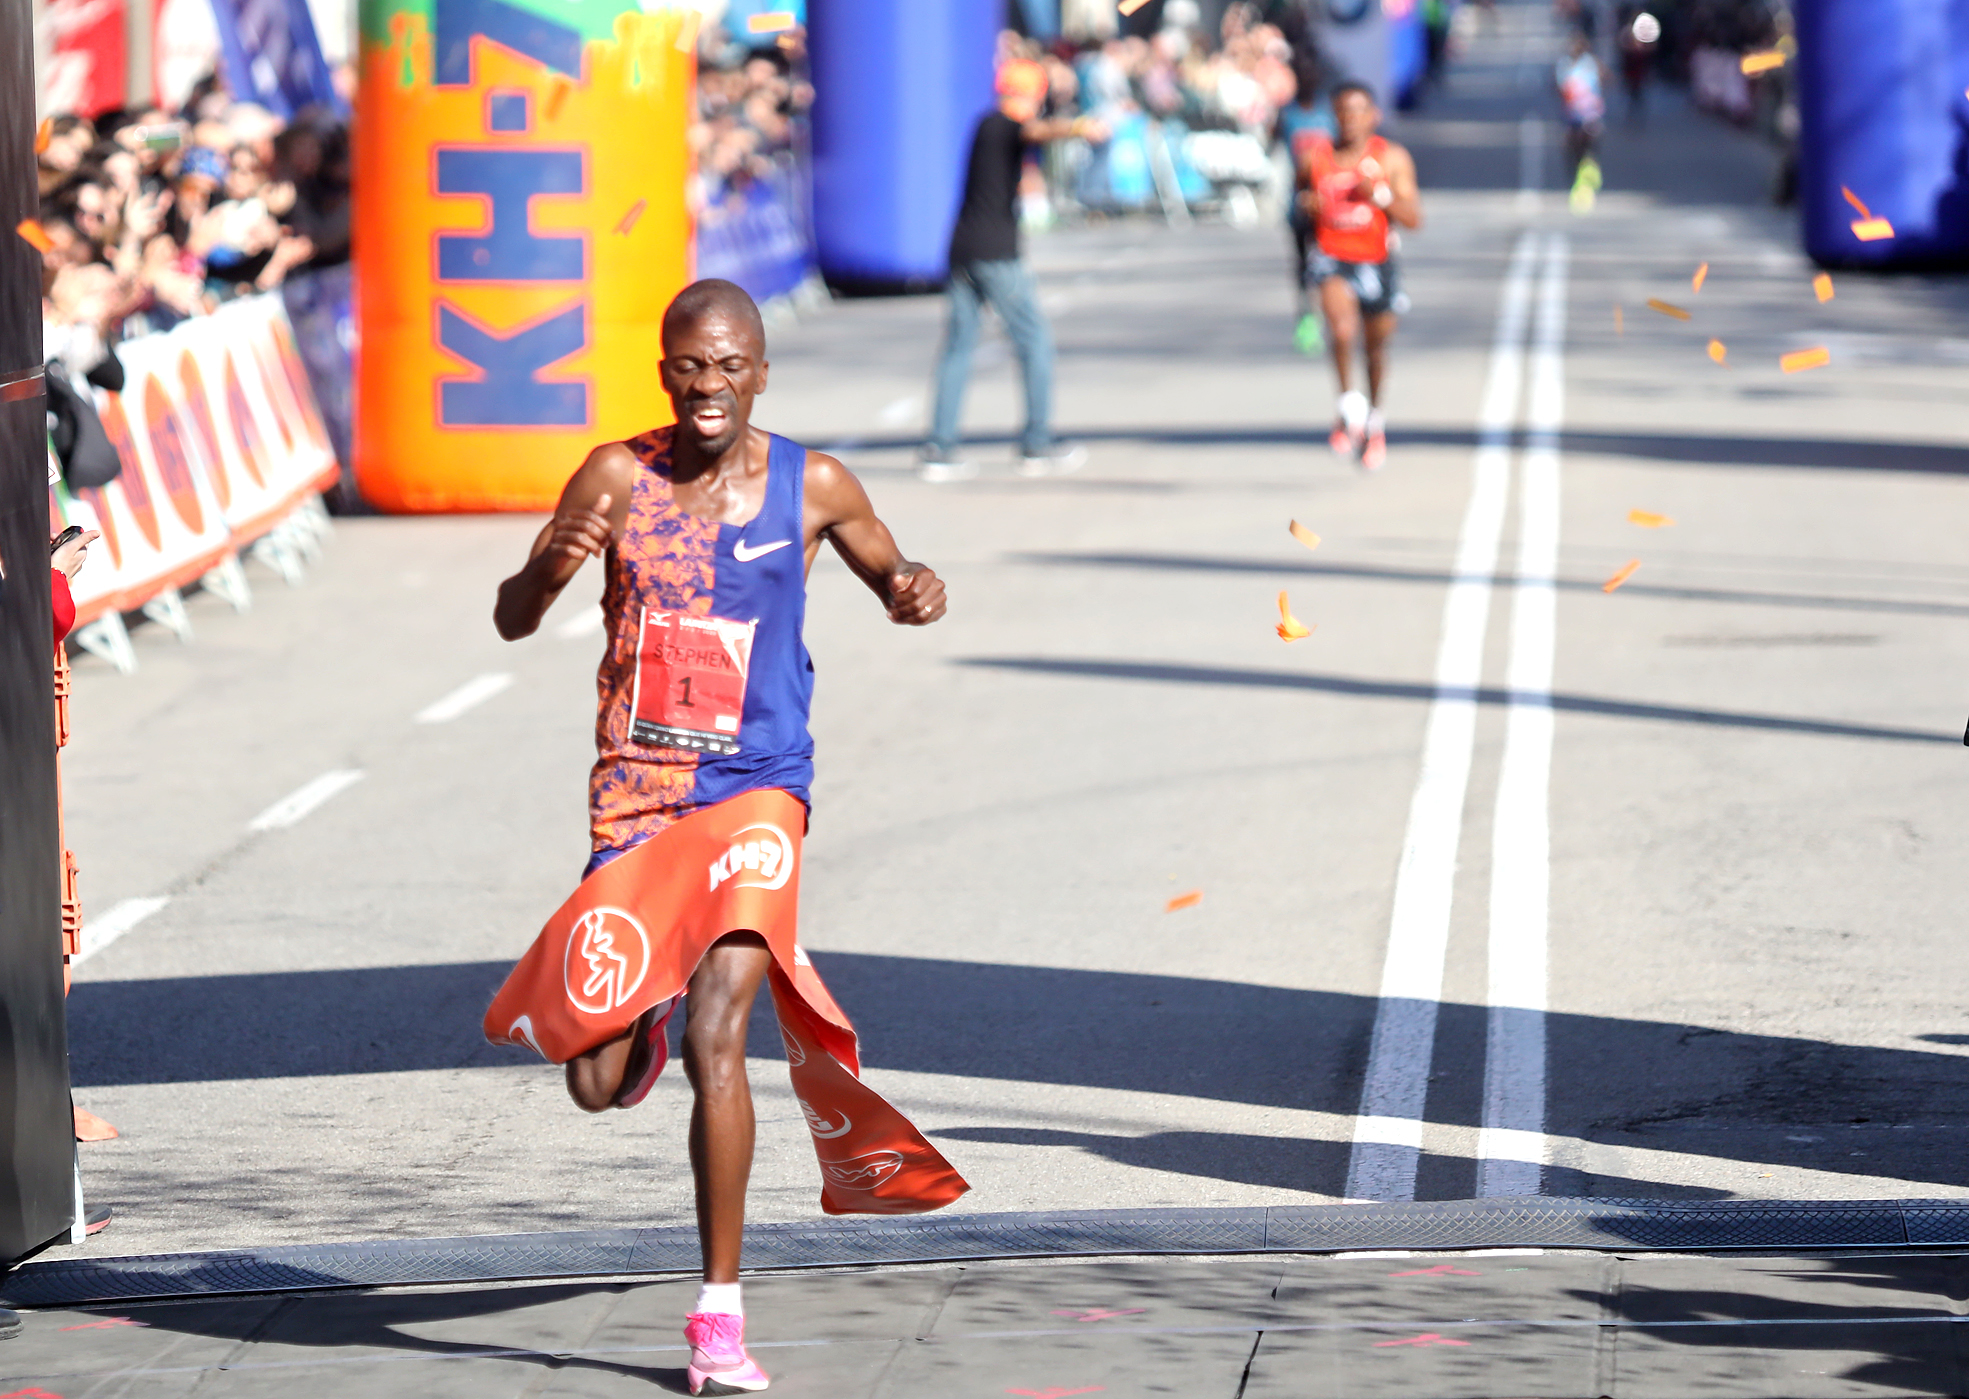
x=1405, y=202
x=839, y=511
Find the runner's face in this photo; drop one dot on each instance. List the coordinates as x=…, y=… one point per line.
x=1356, y=116
x=712, y=369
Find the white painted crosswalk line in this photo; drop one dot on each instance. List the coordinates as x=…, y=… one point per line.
x=472, y=693
x=1511, y=1147
x=99, y=932
x=1387, y=1148
x=304, y=799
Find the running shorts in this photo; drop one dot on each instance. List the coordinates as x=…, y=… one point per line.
x=1376, y=285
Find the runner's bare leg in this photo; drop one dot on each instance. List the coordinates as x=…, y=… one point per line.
x=1380, y=330
x=1343, y=326
x=718, y=1008
x=594, y=1078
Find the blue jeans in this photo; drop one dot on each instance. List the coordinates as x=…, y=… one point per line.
x=1009, y=288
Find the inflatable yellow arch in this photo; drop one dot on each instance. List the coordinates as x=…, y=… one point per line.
x=521, y=223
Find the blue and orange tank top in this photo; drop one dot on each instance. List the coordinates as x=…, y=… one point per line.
x=706, y=684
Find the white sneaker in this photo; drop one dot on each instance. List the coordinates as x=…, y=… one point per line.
x=1063, y=460
x=943, y=470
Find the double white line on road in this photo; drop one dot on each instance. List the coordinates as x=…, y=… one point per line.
x=1387, y=1148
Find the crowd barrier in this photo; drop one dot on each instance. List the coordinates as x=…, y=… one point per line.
x=224, y=451
x=759, y=236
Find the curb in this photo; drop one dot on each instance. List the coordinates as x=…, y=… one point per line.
x=1609, y=1225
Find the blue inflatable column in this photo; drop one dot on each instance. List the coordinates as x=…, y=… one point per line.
x=899, y=86
x=1881, y=97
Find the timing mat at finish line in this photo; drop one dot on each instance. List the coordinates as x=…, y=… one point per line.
x=1488, y=1325
x=1607, y=1225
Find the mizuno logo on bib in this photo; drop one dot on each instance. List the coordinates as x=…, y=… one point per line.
x=690, y=681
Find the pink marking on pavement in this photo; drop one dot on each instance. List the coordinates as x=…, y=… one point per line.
x=1427, y=1338
x=1101, y=1313
x=1441, y=1270
x=105, y=1324
x=29, y=1394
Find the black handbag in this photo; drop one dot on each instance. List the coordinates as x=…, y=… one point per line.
x=87, y=456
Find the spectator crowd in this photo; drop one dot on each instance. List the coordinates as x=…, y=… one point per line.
x=150, y=217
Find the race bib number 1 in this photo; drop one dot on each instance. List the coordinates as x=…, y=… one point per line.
x=690, y=681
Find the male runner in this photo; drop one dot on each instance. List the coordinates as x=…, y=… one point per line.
x=1352, y=191
x=706, y=530
x=1299, y=122
x=1581, y=83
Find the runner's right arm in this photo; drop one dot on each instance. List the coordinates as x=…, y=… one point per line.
x=592, y=511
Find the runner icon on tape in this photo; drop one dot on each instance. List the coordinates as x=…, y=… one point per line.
x=690, y=681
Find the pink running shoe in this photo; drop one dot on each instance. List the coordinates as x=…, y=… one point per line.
x=656, y=1053
x=719, y=1364
x=1343, y=441
x=1374, y=452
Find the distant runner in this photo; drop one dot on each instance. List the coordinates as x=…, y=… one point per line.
x=698, y=800
x=1351, y=192
x=1582, y=86
x=1300, y=123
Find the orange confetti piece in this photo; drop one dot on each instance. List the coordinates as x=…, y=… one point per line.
x=1304, y=535
x=1701, y=276
x=1128, y=7
x=1822, y=286
x=557, y=97
x=1755, y=63
x=1647, y=519
x=43, y=134
x=1872, y=230
x=1667, y=310
x=1805, y=359
x=1619, y=320
x=1189, y=900
x=771, y=23
x=629, y=219
x=1290, y=628
x=1854, y=200
x=687, y=31
x=35, y=234
x=1626, y=572
x=1718, y=351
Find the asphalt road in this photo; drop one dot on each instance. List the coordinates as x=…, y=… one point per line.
x=1649, y=893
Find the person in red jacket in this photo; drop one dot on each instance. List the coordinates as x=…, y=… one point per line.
x=64, y=563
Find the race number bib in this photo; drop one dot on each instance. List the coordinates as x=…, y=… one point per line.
x=690, y=681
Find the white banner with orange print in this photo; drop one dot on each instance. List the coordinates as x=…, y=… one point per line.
x=220, y=440
x=632, y=935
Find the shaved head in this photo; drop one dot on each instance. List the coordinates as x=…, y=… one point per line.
x=713, y=298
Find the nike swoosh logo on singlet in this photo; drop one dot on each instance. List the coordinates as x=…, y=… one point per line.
x=745, y=555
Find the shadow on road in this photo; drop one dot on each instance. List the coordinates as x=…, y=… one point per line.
x=1403, y=690
x=1383, y=573
x=1262, y=1046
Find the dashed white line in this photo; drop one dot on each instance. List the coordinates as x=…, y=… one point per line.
x=101, y=931
x=470, y=695
x=584, y=623
x=1387, y=1149
x=304, y=799
x=1511, y=1147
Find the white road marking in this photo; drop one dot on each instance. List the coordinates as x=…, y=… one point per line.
x=1531, y=163
x=304, y=799
x=101, y=931
x=899, y=412
x=1388, y=1131
x=1511, y=1148
x=471, y=694
x=584, y=623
